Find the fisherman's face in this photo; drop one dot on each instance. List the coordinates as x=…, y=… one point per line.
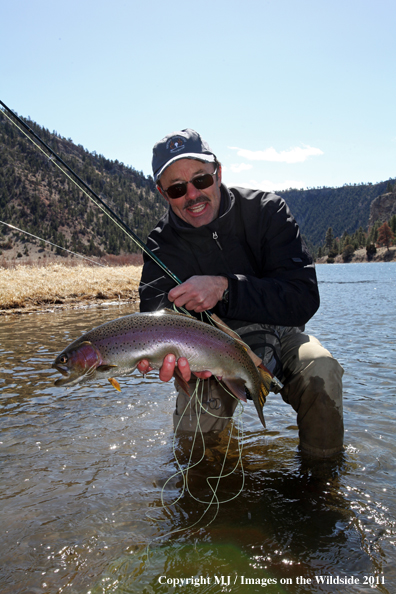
x=196, y=207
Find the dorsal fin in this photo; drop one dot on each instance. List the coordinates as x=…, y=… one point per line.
x=172, y=312
x=227, y=330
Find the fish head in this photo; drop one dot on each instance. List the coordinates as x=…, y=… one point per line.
x=77, y=363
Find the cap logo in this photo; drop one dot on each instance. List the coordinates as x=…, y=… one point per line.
x=175, y=144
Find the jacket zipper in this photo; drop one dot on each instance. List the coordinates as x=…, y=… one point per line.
x=216, y=238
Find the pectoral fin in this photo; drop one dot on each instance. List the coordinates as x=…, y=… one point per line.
x=105, y=367
x=115, y=384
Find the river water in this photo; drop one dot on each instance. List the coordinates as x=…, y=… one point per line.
x=90, y=502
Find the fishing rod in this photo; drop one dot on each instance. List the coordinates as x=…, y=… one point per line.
x=98, y=201
x=85, y=187
x=118, y=221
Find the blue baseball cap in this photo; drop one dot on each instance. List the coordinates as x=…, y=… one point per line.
x=186, y=144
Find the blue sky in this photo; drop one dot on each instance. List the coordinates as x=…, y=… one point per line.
x=288, y=93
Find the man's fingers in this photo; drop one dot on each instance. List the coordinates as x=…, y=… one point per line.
x=144, y=366
x=199, y=293
x=168, y=367
x=184, y=368
x=203, y=374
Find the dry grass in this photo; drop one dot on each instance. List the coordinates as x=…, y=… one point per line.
x=29, y=288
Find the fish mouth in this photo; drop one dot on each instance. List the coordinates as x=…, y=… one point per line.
x=71, y=377
x=63, y=370
x=66, y=379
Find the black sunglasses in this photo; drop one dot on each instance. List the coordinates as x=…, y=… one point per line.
x=201, y=182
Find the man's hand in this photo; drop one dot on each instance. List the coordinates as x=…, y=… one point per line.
x=168, y=368
x=199, y=293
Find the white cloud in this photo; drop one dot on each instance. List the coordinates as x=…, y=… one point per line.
x=269, y=186
x=238, y=167
x=294, y=155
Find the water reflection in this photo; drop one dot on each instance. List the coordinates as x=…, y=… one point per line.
x=83, y=471
x=290, y=521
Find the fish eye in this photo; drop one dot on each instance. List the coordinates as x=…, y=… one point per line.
x=63, y=359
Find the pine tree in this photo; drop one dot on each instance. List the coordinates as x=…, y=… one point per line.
x=334, y=250
x=329, y=238
x=373, y=232
x=385, y=235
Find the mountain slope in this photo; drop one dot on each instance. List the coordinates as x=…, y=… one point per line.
x=35, y=196
x=343, y=209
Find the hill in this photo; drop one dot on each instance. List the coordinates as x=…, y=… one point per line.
x=37, y=197
x=344, y=209
x=383, y=207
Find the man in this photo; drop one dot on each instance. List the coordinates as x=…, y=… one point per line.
x=239, y=253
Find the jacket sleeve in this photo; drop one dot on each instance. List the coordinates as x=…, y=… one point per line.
x=285, y=290
x=155, y=283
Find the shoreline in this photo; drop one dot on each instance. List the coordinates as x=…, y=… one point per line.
x=48, y=307
x=27, y=289
x=360, y=257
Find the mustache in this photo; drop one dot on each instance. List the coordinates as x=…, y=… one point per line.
x=202, y=199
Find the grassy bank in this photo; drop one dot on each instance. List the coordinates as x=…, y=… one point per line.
x=30, y=288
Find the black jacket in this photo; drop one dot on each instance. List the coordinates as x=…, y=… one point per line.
x=255, y=242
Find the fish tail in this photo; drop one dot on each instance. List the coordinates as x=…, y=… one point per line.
x=266, y=381
x=260, y=404
x=265, y=385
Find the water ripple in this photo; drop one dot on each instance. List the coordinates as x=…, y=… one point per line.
x=83, y=469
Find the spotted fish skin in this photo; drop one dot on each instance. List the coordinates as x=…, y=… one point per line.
x=115, y=348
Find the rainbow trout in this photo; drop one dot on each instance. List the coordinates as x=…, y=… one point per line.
x=115, y=348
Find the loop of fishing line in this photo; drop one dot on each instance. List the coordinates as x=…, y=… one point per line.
x=54, y=244
x=198, y=404
x=183, y=472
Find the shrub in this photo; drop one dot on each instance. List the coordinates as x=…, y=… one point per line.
x=347, y=252
x=371, y=250
x=6, y=245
